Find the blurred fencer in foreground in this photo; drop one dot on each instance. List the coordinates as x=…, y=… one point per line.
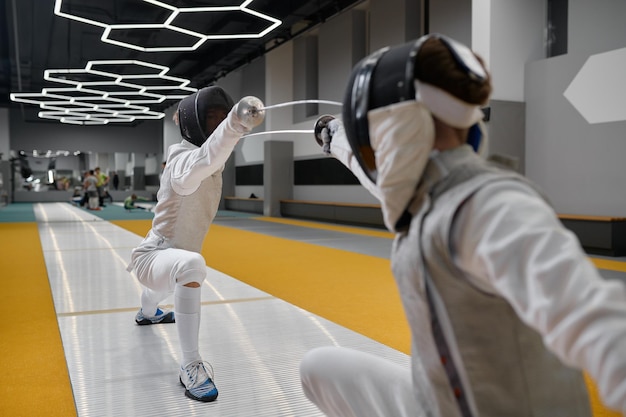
x=505, y=309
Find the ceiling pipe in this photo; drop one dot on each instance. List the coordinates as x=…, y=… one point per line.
x=17, y=47
x=18, y=64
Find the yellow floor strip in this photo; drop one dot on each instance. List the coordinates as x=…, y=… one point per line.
x=34, y=380
x=355, y=291
x=609, y=264
x=326, y=226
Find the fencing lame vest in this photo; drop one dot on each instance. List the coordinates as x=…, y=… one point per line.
x=470, y=349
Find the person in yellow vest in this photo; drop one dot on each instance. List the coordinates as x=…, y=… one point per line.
x=102, y=181
x=129, y=202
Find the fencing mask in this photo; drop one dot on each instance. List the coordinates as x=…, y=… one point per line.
x=388, y=113
x=201, y=112
x=388, y=77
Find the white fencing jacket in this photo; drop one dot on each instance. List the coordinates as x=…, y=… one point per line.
x=191, y=188
x=506, y=242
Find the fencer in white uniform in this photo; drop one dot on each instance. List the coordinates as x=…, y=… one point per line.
x=168, y=260
x=505, y=309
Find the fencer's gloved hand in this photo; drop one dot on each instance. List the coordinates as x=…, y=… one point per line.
x=250, y=111
x=323, y=132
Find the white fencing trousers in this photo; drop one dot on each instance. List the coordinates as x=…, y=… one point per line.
x=159, y=270
x=348, y=383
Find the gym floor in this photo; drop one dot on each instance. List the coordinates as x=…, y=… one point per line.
x=275, y=289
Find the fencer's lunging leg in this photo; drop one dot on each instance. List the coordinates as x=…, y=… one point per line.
x=187, y=311
x=187, y=303
x=348, y=383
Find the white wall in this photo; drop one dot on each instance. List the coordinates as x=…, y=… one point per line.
x=580, y=165
x=278, y=83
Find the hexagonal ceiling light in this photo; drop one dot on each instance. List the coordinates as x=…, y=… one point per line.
x=106, y=91
x=196, y=39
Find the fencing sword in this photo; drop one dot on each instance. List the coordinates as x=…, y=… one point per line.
x=260, y=108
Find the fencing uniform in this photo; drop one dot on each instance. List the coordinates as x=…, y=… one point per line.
x=500, y=298
x=504, y=307
x=188, y=199
x=168, y=260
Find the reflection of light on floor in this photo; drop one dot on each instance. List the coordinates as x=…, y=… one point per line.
x=249, y=347
x=71, y=211
x=67, y=293
x=122, y=261
x=320, y=326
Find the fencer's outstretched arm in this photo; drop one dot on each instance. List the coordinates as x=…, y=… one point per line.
x=540, y=268
x=335, y=143
x=191, y=168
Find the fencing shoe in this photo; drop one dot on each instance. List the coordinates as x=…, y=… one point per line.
x=161, y=317
x=197, y=378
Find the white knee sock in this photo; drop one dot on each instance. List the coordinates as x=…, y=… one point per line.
x=187, y=313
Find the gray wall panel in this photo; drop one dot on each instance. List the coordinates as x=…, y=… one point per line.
x=580, y=166
x=145, y=137
x=506, y=130
x=596, y=26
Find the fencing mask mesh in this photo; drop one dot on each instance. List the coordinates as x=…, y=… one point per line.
x=194, y=113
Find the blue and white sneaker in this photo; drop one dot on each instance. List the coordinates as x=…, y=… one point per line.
x=197, y=378
x=161, y=317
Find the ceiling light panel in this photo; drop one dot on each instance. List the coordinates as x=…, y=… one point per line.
x=179, y=37
x=80, y=118
x=117, y=89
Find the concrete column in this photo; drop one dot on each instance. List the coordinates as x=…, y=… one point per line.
x=5, y=146
x=138, y=178
x=277, y=175
x=120, y=159
x=508, y=34
x=83, y=163
x=407, y=16
x=171, y=132
x=228, y=181
x=6, y=186
x=279, y=89
x=5, y=166
x=102, y=160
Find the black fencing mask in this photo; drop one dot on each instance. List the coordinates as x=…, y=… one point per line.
x=193, y=112
x=386, y=77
